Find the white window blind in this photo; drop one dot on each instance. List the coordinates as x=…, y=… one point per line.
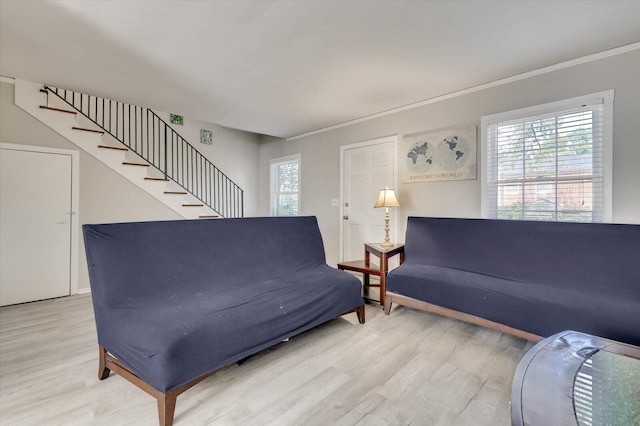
x=285, y=186
x=550, y=162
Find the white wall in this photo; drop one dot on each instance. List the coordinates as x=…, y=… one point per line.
x=105, y=196
x=234, y=152
x=321, y=152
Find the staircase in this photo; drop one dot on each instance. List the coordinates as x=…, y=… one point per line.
x=139, y=145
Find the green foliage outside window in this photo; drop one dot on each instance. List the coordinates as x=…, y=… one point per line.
x=545, y=166
x=285, y=188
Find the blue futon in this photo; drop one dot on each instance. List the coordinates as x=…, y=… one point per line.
x=175, y=301
x=531, y=279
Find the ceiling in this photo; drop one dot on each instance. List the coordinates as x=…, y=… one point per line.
x=285, y=68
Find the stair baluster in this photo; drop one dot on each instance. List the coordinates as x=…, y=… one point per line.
x=143, y=132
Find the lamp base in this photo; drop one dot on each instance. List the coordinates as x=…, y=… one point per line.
x=387, y=242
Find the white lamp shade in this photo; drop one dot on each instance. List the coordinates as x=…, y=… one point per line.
x=387, y=198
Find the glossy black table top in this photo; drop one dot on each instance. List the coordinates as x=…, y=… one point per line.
x=606, y=390
x=573, y=377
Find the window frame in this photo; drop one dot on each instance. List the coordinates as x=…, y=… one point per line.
x=273, y=193
x=605, y=98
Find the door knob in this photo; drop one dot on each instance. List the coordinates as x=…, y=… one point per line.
x=345, y=217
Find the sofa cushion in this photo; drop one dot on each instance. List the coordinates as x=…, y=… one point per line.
x=534, y=307
x=150, y=262
x=186, y=337
x=594, y=257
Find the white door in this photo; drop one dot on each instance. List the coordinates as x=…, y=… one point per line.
x=35, y=225
x=367, y=168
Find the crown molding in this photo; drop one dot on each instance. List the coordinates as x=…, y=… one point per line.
x=507, y=80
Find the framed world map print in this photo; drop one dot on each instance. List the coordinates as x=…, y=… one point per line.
x=443, y=155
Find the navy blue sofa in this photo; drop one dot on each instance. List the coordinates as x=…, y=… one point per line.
x=175, y=301
x=531, y=279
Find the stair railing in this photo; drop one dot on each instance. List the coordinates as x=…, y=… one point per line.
x=142, y=131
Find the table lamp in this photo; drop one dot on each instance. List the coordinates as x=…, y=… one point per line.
x=387, y=198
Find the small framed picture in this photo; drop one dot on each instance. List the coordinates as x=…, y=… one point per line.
x=176, y=119
x=206, y=136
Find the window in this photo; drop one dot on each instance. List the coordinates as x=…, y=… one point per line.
x=550, y=162
x=285, y=186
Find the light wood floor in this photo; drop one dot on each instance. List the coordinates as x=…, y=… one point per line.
x=411, y=368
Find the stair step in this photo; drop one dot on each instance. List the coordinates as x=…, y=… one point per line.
x=27, y=97
x=128, y=163
x=58, y=109
x=88, y=130
x=113, y=147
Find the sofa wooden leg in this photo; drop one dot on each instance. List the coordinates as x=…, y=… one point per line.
x=387, y=305
x=360, y=313
x=167, y=407
x=103, y=371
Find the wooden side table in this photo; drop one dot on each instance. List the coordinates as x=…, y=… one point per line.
x=367, y=268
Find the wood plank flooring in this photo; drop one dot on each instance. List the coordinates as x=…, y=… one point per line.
x=410, y=368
